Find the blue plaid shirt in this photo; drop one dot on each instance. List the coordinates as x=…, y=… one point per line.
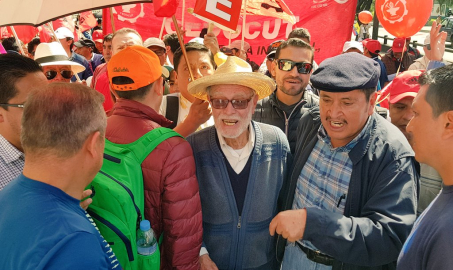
x=324, y=179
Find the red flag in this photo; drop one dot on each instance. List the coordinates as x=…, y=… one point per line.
x=224, y=13
x=87, y=21
x=165, y=8
x=329, y=23
x=24, y=32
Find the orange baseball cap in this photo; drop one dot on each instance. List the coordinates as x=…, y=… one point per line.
x=138, y=63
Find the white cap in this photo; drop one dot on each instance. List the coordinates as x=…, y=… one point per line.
x=63, y=33
x=153, y=41
x=353, y=44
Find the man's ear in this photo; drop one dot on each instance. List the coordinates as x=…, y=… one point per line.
x=273, y=67
x=158, y=86
x=168, y=48
x=92, y=143
x=2, y=111
x=448, y=126
x=372, y=103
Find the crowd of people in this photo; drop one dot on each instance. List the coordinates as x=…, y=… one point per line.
x=287, y=165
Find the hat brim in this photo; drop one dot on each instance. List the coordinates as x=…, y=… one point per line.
x=75, y=67
x=261, y=84
x=401, y=96
x=98, y=40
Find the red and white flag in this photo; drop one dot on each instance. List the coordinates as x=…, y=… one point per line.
x=270, y=8
x=87, y=21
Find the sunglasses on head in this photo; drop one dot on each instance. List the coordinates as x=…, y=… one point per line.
x=51, y=74
x=288, y=65
x=238, y=104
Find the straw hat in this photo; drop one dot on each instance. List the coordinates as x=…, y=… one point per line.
x=53, y=54
x=234, y=71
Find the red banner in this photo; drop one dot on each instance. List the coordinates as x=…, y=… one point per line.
x=329, y=22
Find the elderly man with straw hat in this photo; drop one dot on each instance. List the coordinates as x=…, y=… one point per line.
x=241, y=167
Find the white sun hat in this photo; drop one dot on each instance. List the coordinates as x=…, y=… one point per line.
x=233, y=71
x=53, y=54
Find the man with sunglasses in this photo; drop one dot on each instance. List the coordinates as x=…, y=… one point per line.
x=241, y=167
x=19, y=75
x=55, y=62
x=291, y=68
x=351, y=199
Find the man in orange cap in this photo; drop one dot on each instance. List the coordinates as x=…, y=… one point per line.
x=172, y=203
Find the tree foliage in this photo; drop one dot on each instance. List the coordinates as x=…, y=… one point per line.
x=367, y=5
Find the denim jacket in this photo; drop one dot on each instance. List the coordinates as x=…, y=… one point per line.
x=241, y=242
x=381, y=203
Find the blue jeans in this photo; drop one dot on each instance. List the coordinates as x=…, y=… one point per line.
x=296, y=259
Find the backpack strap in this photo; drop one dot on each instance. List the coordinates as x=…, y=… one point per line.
x=172, y=110
x=148, y=142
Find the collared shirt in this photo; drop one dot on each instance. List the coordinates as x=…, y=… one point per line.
x=324, y=180
x=238, y=157
x=11, y=162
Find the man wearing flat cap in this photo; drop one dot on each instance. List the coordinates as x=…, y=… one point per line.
x=351, y=199
x=241, y=167
x=87, y=48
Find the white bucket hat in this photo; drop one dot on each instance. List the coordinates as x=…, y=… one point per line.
x=53, y=54
x=233, y=71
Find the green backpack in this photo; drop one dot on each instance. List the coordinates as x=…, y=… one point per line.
x=118, y=198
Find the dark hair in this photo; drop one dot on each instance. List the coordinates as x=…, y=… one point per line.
x=300, y=33
x=192, y=46
x=172, y=41
x=440, y=90
x=10, y=44
x=72, y=43
x=203, y=32
x=295, y=42
x=137, y=95
x=108, y=38
x=12, y=68
x=368, y=92
x=31, y=45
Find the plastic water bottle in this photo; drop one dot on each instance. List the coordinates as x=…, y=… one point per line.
x=146, y=240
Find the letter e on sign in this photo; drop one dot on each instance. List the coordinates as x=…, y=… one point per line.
x=225, y=13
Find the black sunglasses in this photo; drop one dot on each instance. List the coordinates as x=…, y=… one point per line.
x=238, y=104
x=67, y=74
x=428, y=47
x=12, y=105
x=288, y=65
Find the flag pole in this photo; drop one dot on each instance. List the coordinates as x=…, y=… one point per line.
x=112, y=21
x=244, y=14
x=17, y=40
x=183, y=12
x=181, y=43
x=55, y=35
x=162, y=28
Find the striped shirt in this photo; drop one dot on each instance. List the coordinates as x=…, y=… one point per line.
x=324, y=179
x=11, y=162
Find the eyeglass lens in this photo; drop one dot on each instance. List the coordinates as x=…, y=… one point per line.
x=239, y=104
x=51, y=74
x=288, y=65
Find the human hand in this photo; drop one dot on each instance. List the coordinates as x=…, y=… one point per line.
x=210, y=41
x=437, y=42
x=206, y=263
x=289, y=224
x=85, y=203
x=199, y=112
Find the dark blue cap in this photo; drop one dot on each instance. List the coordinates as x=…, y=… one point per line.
x=346, y=72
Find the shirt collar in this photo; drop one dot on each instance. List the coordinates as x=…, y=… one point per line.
x=8, y=152
x=322, y=136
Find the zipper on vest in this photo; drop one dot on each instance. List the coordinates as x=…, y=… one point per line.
x=239, y=223
x=289, y=117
